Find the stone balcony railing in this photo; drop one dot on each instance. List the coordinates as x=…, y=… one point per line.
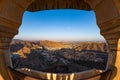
x=28, y=74
x=60, y=76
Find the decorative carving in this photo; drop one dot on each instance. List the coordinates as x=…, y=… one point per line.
x=112, y=37
x=58, y=4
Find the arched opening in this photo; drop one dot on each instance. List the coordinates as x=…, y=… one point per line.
x=107, y=13
x=87, y=41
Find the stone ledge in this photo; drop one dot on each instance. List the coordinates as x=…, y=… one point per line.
x=72, y=76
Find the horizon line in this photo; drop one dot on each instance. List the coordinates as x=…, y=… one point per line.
x=61, y=40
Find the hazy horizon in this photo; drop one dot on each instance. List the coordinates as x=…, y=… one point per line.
x=60, y=25
x=62, y=40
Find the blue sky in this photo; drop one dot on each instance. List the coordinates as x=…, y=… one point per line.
x=68, y=25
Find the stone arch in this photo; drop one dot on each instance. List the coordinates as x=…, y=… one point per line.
x=107, y=14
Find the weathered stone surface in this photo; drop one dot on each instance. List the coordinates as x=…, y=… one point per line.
x=116, y=71
x=53, y=76
x=117, y=2
x=94, y=3
x=3, y=70
x=105, y=10
x=1, y=3
x=11, y=17
x=38, y=5
x=11, y=12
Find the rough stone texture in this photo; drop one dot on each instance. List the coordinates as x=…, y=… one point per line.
x=93, y=3
x=1, y=2
x=111, y=31
x=38, y=5
x=3, y=72
x=5, y=59
x=117, y=2
x=108, y=20
x=105, y=10
x=116, y=71
x=11, y=12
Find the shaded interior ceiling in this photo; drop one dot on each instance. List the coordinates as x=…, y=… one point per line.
x=38, y=5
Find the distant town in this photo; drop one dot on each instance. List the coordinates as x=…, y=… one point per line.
x=59, y=57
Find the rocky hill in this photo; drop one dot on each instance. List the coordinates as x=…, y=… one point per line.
x=95, y=46
x=76, y=56
x=21, y=46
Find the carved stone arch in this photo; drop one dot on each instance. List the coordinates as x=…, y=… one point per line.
x=108, y=20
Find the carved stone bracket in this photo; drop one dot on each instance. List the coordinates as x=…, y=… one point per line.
x=93, y=3
x=105, y=10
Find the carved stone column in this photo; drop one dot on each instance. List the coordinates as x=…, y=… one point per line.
x=11, y=12
x=5, y=59
x=108, y=19
x=111, y=31
x=5, y=39
x=116, y=71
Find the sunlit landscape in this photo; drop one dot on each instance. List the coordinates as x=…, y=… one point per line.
x=59, y=57
x=58, y=45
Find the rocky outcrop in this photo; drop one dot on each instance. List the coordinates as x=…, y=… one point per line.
x=21, y=45
x=38, y=55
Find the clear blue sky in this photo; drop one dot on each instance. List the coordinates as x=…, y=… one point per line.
x=59, y=25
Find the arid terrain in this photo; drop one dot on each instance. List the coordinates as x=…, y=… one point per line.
x=59, y=57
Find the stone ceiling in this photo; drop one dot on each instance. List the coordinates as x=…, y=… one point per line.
x=38, y=5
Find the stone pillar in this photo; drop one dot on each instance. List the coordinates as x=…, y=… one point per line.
x=116, y=71
x=111, y=32
x=108, y=19
x=11, y=12
x=4, y=46
x=5, y=59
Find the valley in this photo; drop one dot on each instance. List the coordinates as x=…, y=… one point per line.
x=59, y=57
